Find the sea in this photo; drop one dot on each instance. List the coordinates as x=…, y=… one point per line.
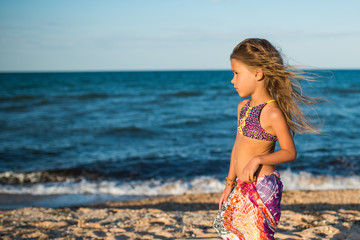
x=79, y=138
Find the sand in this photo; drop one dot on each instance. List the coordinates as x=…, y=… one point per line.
x=305, y=215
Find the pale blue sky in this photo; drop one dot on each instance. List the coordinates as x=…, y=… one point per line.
x=89, y=35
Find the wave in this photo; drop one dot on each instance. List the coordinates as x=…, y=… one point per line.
x=183, y=94
x=128, y=131
x=350, y=90
x=60, y=97
x=132, y=188
x=160, y=187
x=18, y=98
x=39, y=177
x=307, y=181
x=194, y=121
x=90, y=96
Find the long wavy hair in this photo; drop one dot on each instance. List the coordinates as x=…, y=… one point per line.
x=281, y=81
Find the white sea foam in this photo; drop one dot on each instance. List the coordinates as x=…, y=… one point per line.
x=307, y=181
x=202, y=184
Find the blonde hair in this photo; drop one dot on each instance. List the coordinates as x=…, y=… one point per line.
x=281, y=81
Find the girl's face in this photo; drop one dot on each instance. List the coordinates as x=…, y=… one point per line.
x=244, y=78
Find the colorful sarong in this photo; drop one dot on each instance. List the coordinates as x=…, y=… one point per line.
x=252, y=210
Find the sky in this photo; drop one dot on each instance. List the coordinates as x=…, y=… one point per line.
x=135, y=35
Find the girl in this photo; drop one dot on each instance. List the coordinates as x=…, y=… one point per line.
x=249, y=207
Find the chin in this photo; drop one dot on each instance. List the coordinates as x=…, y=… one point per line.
x=243, y=95
x=239, y=92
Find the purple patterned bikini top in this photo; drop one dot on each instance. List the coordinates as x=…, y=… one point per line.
x=249, y=122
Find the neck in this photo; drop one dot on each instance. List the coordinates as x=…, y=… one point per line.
x=258, y=98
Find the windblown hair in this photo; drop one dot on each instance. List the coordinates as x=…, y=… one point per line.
x=281, y=81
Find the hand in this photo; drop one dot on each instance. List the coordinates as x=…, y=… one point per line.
x=224, y=196
x=248, y=173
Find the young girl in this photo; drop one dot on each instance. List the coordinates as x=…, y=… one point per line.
x=249, y=207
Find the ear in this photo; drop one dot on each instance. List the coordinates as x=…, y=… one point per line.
x=259, y=75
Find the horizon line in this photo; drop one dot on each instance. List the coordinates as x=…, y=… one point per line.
x=147, y=70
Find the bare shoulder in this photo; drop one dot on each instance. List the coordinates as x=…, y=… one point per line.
x=272, y=113
x=241, y=104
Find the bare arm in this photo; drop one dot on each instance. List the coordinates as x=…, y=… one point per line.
x=232, y=171
x=231, y=175
x=287, y=153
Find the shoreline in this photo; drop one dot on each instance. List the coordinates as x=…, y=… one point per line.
x=307, y=214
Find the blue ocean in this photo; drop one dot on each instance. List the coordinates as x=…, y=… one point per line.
x=75, y=138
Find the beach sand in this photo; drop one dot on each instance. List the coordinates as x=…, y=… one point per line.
x=305, y=215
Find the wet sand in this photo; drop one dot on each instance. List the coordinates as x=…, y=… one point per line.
x=327, y=214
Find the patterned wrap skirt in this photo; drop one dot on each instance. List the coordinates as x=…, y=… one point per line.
x=252, y=210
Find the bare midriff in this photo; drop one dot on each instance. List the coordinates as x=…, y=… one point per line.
x=246, y=148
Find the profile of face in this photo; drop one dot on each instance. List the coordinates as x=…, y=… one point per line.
x=245, y=79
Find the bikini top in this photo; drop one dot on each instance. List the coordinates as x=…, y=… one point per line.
x=249, y=122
